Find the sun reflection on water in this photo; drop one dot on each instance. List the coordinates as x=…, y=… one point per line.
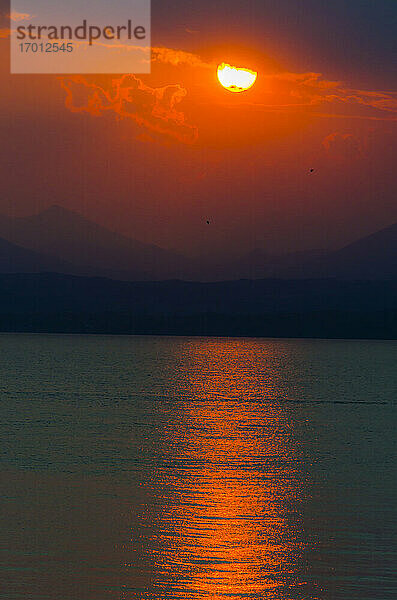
x=229, y=525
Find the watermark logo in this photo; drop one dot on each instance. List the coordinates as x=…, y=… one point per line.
x=93, y=36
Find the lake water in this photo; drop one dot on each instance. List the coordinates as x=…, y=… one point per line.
x=197, y=468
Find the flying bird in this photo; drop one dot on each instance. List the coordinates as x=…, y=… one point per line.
x=311, y=170
x=208, y=222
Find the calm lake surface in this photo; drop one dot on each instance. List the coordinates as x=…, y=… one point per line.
x=197, y=468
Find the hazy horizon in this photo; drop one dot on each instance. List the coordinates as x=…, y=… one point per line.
x=188, y=254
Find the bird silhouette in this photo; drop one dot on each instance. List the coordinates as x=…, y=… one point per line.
x=311, y=170
x=208, y=222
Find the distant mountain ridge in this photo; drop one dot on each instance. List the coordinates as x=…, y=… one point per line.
x=371, y=257
x=16, y=259
x=64, y=241
x=70, y=237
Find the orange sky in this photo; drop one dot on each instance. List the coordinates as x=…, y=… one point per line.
x=154, y=156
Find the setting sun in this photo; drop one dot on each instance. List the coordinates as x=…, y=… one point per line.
x=236, y=79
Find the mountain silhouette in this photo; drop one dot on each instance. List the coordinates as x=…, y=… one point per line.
x=70, y=237
x=369, y=258
x=258, y=264
x=64, y=241
x=15, y=259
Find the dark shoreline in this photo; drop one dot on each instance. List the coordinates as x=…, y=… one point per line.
x=270, y=308
x=318, y=325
